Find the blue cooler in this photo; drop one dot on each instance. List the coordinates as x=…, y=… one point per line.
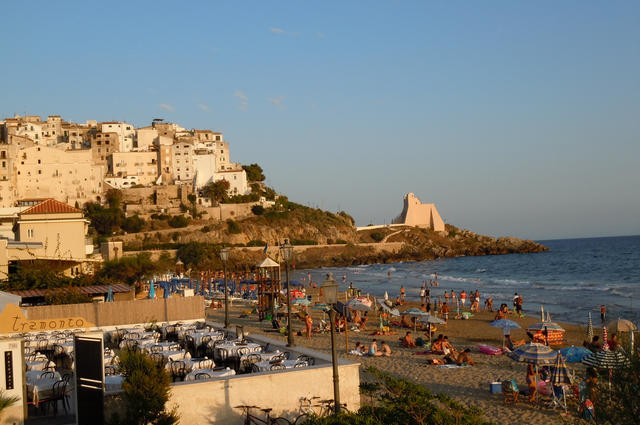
x=495, y=387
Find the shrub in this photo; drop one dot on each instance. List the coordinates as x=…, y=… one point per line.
x=205, y=229
x=183, y=207
x=133, y=224
x=145, y=391
x=303, y=242
x=160, y=216
x=377, y=236
x=233, y=227
x=256, y=242
x=340, y=242
x=257, y=209
x=178, y=221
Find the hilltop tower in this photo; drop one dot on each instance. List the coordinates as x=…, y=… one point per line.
x=415, y=213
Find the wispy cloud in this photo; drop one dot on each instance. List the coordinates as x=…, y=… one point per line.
x=278, y=102
x=166, y=107
x=275, y=30
x=244, y=100
x=203, y=107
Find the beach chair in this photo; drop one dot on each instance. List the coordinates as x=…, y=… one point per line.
x=510, y=392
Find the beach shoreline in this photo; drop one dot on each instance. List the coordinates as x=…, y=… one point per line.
x=469, y=385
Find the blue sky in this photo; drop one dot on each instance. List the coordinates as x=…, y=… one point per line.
x=515, y=118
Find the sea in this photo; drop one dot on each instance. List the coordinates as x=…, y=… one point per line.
x=570, y=280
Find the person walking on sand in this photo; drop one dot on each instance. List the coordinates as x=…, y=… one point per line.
x=515, y=302
x=445, y=312
x=453, y=297
x=463, y=298
x=519, y=306
x=423, y=294
x=308, y=320
x=446, y=296
x=402, y=294
x=603, y=313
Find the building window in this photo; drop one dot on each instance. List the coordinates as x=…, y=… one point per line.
x=39, y=161
x=39, y=171
x=30, y=233
x=4, y=164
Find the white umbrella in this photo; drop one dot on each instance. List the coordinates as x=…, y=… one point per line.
x=386, y=308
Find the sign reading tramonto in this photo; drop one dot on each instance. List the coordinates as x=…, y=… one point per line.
x=12, y=319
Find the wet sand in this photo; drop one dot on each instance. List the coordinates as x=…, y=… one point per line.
x=469, y=385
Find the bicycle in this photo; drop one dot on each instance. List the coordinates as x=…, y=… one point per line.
x=320, y=409
x=251, y=419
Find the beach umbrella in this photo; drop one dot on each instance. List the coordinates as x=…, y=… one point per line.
x=534, y=353
x=166, y=293
x=321, y=306
x=589, y=329
x=605, y=343
x=110, y=294
x=415, y=312
x=621, y=325
x=152, y=291
x=575, y=354
x=549, y=332
x=606, y=359
x=386, y=296
x=429, y=319
x=506, y=325
x=386, y=308
x=560, y=376
x=359, y=304
x=301, y=301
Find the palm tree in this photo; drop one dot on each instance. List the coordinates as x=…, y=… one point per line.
x=7, y=401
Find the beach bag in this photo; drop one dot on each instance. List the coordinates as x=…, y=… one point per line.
x=419, y=342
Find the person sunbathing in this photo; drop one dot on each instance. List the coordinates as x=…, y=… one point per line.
x=385, y=350
x=436, y=346
x=407, y=341
x=446, y=345
x=464, y=358
x=405, y=323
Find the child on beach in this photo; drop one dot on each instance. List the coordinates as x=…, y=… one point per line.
x=453, y=297
x=373, y=348
x=402, y=294
x=463, y=298
x=385, y=350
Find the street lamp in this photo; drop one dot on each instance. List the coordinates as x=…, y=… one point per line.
x=287, y=255
x=330, y=291
x=224, y=256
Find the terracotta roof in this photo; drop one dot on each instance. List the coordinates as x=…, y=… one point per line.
x=87, y=290
x=51, y=206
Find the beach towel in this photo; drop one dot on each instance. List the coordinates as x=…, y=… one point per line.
x=450, y=366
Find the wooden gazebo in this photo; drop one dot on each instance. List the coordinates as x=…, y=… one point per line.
x=268, y=286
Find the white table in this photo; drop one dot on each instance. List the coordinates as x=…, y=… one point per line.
x=195, y=363
x=40, y=363
x=231, y=349
x=213, y=374
x=288, y=364
x=176, y=355
x=32, y=375
x=41, y=388
x=141, y=335
x=215, y=336
x=113, y=382
x=146, y=344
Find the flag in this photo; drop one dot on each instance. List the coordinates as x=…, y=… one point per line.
x=265, y=249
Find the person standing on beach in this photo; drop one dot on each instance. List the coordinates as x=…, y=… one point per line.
x=453, y=297
x=515, y=302
x=463, y=297
x=308, y=321
x=519, y=306
x=603, y=313
x=446, y=296
x=423, y=294
x=402, y=293
x=445, y=312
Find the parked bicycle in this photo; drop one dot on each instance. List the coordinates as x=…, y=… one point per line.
x=314, y=407
x=252, y=419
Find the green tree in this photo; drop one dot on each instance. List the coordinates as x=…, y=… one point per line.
x=114, y=198
x=105, y=221
x=133, y=224
x=194, y=254
x=178, y=221
x=145, y=391
x=619, y=403
x=216, y=191
x=257, y=209
x=254, y=172
x=130, y=270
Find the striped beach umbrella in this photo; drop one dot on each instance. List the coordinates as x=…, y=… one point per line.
x=559, y=372
x=506, y=325
x=534, y=353
x=605, y=342
x=589, y=329
x=606, y=359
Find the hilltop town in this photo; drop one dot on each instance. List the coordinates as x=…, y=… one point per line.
x=77, y=163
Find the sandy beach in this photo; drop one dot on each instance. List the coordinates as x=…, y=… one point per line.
x=469, y=385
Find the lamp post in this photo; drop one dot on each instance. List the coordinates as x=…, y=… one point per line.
x=224, y=256
x=287, y=254
x=330, y=291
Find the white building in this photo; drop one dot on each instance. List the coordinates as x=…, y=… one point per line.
x=126, y=133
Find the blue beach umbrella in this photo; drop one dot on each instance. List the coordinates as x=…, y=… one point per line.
x=301, y=301
x=197, y=283
x=535, y=354
x=110, y=295
x=574, y=354
x=506, y=325
x=210, y=292
x=152, y=291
